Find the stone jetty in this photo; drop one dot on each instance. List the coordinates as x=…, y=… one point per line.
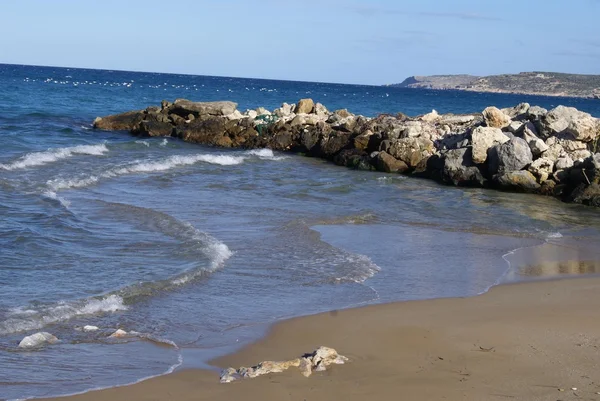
x=524, y=148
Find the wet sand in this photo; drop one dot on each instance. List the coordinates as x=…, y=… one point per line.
x=523, y=341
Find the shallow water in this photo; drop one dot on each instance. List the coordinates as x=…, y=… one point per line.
x=198, y=249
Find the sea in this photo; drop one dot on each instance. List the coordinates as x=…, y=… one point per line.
x=195, y=251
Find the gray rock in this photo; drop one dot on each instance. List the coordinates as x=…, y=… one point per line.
x=389, y=164
x=528, y=133
x=513, y=155
x=484, y=138
x=564, y=163
x=117, y=122
x=183, y=107
x=535, y=113
x=459, y=169
x=580, y=155
x=578, y=125
x=37, y=340
x=519, y=111
x=518, y=180
x=411, y=150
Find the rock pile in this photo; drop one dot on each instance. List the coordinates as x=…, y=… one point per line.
x=523, y=148
x=316, y=361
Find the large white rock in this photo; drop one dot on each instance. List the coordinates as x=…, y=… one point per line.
x=484, y=138
x=579, y=125
x=495, y=118
x=37, y=340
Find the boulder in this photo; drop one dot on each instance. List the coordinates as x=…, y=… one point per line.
x=184, y=107
x=321, y=110
x=518, y=112
x=236, y=115
x=37, y=340
x=305, y=106
x=334, y=143
x=528, y=133
x=563, y=163
x=580, y=155
x=513, y=155
x=518, y=181
x=389, y=164
x=542, y=168
x=153, y=128
x=568, y=121
x=361, y=141
x=120, y=122
x=343, y=113
x=484, y=138
x=284, y=111
x=536, y=113
x=495, y=118
x=459, y=169
x=411, y=150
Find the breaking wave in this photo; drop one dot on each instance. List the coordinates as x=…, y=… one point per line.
x=53, y=155
x=144, y=167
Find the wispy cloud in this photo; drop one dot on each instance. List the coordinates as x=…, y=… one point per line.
x=369, y=11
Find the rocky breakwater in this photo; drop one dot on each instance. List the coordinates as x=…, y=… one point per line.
x=524, y=148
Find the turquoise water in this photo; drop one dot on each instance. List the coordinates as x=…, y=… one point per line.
x=197, y=250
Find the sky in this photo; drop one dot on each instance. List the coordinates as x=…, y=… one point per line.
x=352, y=41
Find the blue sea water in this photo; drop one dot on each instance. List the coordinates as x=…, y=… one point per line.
x=196, y=250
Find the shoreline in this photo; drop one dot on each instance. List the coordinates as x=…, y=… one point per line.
x=563, y=300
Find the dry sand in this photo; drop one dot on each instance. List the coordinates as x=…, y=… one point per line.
x=517, y=342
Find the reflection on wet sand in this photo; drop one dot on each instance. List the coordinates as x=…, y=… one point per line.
x=563, y=268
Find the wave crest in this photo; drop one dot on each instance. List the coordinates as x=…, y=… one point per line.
x=53, y=155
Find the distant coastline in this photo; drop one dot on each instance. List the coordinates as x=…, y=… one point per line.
x=525, y=83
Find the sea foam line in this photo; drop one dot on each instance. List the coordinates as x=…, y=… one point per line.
x=21, y=319
x=144, y=167
x=165, y=164
x=53, y=155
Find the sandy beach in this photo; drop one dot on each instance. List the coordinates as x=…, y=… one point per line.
x=529, y=341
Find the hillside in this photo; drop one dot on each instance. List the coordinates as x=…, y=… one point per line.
x=534, y=83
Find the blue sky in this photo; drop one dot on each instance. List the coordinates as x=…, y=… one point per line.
x=352, y=41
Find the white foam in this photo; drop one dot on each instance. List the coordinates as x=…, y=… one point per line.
x=217, y=252
x=54, y=155
x=554, y=235
x=265, y=154
x=145, y=167
x=53, y=195
x=164, y=142
x=34, y=319
x=145, y=143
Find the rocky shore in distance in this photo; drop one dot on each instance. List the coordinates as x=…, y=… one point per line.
x=525, y=83
x=524, y=148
